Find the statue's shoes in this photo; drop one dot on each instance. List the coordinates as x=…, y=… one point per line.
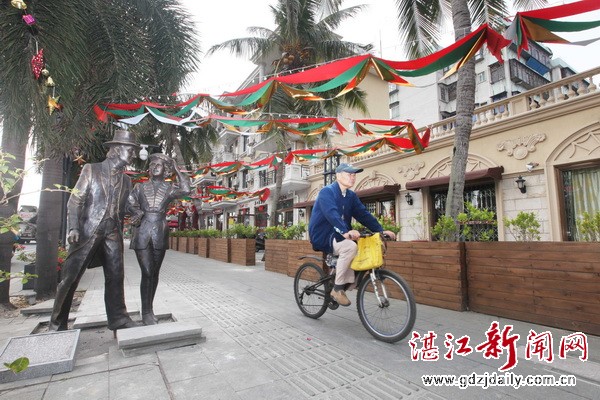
x=126, y=325
x=149, y=319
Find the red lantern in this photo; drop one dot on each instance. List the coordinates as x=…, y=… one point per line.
x=37, y=64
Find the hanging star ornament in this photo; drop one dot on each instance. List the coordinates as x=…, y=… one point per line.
x=53, y=104
x=38, y=64
x=20, y=4
x=79, y=160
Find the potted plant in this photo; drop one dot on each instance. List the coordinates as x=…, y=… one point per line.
x=477, y=225
x=219, y=245
x=242, y=242
x=524, y=227
x=445, y=229
x=588, y=227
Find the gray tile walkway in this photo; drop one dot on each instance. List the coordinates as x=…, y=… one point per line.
x=259, y=346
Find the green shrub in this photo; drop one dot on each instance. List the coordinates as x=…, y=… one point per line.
x=473, y=225
x=386, y=223
x=242, y=231
x=274, y=232
x=293, y=232
x=588, y=227
x=445, y=229
x=524, y=227
x=389, y=224
x=213, y=233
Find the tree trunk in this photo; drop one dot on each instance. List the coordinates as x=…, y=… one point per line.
x=48, y=229
x=14, y=141
x=282, y=144
x=465, y=105
x=279, y=174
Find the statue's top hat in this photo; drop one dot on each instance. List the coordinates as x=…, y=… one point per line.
x=123, y=136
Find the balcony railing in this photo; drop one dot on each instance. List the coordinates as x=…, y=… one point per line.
x=543, y=96
x=294, y=174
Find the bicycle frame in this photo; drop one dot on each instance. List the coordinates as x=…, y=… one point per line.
x=387, y=317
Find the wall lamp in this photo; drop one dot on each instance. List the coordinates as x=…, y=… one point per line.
x=143, y=152
x=521, y=184
x=409, y=199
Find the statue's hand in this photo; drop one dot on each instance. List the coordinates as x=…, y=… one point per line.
x=73, y=236
x=136, y=219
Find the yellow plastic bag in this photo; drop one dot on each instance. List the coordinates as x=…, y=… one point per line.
x=370, y=253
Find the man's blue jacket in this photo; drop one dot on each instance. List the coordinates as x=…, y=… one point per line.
x=332, y=216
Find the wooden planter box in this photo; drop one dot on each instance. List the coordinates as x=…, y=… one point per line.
x=276, y=255
x=549, y=283
x=282, y=256
x=297, y=249
x=434, y=270
x=243, y=251
x=219, y=249
x=191, y=245
x=202, y=247
x=182, y=243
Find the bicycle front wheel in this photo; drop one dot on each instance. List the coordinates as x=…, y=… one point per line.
x=310, y=290
x=386, y=305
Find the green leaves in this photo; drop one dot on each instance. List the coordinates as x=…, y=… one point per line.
x=19, y=365
x=524, y=227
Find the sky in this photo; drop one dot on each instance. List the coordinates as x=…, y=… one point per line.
x=218, y=21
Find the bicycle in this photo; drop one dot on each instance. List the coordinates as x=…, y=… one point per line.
x=385, y=303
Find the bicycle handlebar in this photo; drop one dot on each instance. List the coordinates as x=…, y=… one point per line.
x=367, y=234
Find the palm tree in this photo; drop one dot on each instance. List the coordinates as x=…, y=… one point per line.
x=117, y=52
x=304, y=36
x=420, y=22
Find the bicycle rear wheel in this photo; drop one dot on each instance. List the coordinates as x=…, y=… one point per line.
x=310, y=290
x=386, y=305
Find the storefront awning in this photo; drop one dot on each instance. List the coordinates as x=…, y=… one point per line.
x=378, y=191
x=494, y=173
x=304, y=204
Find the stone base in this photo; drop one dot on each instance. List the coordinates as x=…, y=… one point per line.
x=151, y=338
x=48, y=353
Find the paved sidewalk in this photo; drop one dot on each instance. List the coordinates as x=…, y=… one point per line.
x=259, y=346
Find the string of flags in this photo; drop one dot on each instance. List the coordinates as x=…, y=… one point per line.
x=341, y=76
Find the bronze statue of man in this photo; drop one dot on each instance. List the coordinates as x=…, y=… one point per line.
x=148, y=203
x=95, y=233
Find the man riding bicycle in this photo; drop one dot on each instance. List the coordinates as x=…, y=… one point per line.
x=330, y=227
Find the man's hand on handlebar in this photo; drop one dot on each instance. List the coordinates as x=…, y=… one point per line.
x=352, y=235
x=389, y=235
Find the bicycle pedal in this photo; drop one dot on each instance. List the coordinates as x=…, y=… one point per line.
x=333, y=305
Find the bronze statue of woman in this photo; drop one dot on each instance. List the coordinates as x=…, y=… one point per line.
x=148, y=203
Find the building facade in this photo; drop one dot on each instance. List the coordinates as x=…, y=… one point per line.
x=547, y=135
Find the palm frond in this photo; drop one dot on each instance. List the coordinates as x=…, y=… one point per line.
x=419, y=25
